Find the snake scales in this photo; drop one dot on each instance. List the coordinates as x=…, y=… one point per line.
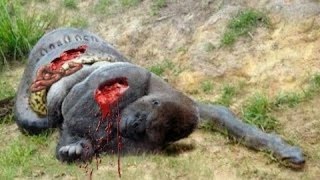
x=46, y=77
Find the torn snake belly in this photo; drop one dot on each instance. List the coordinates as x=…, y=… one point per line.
x=66, y=64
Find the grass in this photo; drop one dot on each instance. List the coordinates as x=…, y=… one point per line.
x=257, y=112
x=71, y=4
x=79, y=22
x=207, y=86
x=165, y=66
x=15, y=154
x=6, y=119
x=31, y=156
x=160, y=68
x=314, y=87
x=129, y=3
x=289, y=99
x=19, y=31
x=242, y=24
x=259, y=108
x=227, y=95
x=316, y=81
x=6, y=115
x=109, y=7
x=208, y=47
x=101, y=6
x=6, y=92
x=182, y=49
x=157, y=5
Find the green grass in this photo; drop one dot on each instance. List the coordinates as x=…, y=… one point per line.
x=289, y=99
x=79, y=22
x=109, y=7
x=243, y=23
x=42, y=1
x=157, y=5
x=182, y=49
x=129, y=3
x=160, y=68
x=6, y=89
x=257, y=111
x=6, y=115
x=15, y=154
x=227, y=95
x=71, y=4
x=20, y=154
x=18, y=31
x=32, y=157
x=207, y=86
x=101, y=6
x=314, y=87
x=166, y=65
x=7, y=119
x=208, y=47
x=316, y=81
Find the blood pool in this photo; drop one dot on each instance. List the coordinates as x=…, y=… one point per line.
x=57, y=63
x=108, y=94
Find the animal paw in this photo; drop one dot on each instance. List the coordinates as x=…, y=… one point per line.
x=75, y=151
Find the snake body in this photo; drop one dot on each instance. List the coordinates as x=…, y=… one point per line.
x=38, y=100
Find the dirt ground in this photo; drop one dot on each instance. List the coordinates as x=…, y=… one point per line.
x=270, y=60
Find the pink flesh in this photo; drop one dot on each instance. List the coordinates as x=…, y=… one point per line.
x=107, y=95
x=57, y=63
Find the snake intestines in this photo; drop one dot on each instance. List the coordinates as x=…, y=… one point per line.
x=46, y=77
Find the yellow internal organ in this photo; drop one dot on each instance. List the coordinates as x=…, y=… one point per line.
x=38, y=102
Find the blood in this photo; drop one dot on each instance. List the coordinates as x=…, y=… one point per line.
x=119, y=140
x=57, y=63
x=53, y=72
x=108, y=94
x=107, y=97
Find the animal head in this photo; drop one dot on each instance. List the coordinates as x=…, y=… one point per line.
x=159, y=118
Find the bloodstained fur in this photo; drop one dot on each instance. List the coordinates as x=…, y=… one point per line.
x=107, y=97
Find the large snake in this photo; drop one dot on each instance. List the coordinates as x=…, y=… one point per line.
x=46, y=77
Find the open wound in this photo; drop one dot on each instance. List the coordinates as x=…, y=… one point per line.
x=107, y=97
x=109, y=93
x=51, y=73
